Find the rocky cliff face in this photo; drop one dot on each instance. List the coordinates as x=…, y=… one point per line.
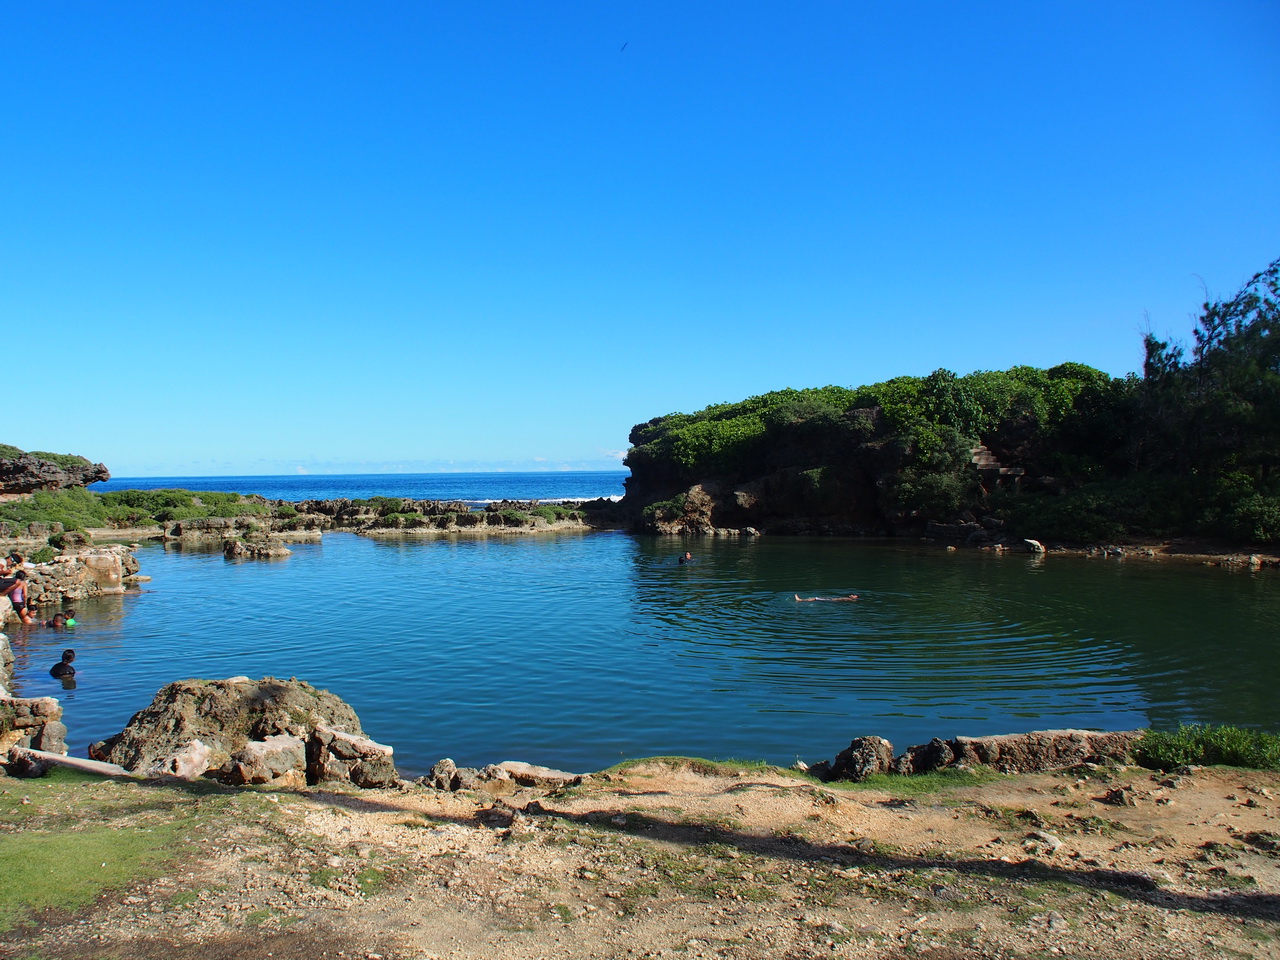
x=28, y=473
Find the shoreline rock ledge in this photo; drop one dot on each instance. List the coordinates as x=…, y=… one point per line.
x=240, y=731
x=1036, y=752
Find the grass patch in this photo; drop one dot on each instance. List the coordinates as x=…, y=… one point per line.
x=62, y=856
x=323, y=876
x=563, y=912
x=371, y=880
x=82, y=841
x=1208, y=745
x=917, y=784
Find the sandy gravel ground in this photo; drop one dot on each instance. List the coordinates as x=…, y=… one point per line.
x=660, y=860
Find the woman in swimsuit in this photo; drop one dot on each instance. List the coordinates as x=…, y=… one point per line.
x=17, y=594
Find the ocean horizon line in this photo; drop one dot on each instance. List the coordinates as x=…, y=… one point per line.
x=378, y=473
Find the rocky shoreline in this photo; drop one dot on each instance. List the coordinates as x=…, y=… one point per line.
x=657, y=858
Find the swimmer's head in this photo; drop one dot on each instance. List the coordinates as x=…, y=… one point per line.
x=68, y=656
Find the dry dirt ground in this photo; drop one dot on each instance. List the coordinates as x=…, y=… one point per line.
x=692, y=861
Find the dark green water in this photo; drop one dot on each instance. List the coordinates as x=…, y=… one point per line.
x=578, y=651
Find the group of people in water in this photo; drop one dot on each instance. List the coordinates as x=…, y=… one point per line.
x=13, y=584
x=687, y=557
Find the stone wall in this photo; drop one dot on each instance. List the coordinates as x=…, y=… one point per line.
x=88, y=572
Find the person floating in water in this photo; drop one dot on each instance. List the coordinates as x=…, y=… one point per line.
x=686, y=558
x=63, y=667
x=58, y=622
x=845, y=599
x=71, y=617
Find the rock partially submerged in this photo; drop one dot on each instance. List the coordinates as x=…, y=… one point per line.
x=1036, y=752
x=235, y=548
x=283, y=732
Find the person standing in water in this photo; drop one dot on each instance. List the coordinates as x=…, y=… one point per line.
x=17, y=594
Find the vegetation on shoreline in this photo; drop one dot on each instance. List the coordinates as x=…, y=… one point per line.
x=1209, y=745
x=1191, y=447
x=80, y=509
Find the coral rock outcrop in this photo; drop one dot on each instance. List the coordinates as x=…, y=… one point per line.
x=285, y=732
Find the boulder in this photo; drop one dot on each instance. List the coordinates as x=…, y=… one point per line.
x=921, y=759
x=187, y=762
x=238, y=729
x=334, y=754
x=253, y=548
x=864, y=757
x=531, y=775
x=279, y=759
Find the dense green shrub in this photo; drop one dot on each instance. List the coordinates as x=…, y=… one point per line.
x=9, y=452
x=128, y=507
x=1196, y=744
x=42, y=555
x=402, y=520
x=168, y=514
x=121, y=517
x=665, y=510
x=75, y=508
x=1254, y=519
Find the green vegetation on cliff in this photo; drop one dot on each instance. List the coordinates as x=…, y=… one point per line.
x=68, y=461
x=1190, y=447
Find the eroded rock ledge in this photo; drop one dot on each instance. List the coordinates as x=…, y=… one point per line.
x=28, y=473
x=1036, y=752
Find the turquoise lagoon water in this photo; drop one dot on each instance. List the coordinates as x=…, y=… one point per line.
x=579, y=650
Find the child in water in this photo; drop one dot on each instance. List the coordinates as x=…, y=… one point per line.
x=63, y=668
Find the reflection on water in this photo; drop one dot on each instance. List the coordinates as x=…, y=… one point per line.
x=580, y=650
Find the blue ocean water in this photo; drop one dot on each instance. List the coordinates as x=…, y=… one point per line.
x=475, y=488
x=579, y=650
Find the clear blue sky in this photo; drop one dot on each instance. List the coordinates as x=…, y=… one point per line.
x=254, y=238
